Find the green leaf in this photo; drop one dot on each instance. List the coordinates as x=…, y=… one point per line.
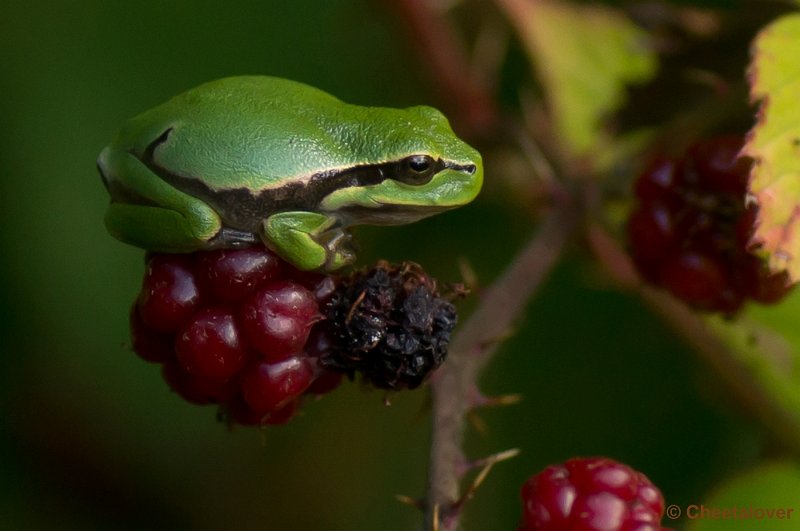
x=764, y=499
x=762, y=360
x=584, y=56
x=774, y=142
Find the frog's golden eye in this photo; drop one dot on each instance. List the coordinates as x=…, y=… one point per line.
x=417, y=169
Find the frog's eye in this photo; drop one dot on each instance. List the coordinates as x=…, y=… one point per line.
x=416, y=169
x=420, y=163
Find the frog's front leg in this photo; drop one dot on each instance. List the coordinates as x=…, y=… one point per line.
x=309, y=240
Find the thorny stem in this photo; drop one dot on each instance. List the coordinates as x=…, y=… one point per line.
x=469, y=97
x=453, y=387
x=472, y=348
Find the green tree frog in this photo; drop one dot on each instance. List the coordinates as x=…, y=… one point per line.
x=251, y=158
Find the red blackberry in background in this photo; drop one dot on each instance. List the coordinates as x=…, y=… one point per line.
x=690, y=233
x=244, y=330
x=591, y=494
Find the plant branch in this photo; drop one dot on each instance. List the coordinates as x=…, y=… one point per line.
x=472, y=348
x=463, y=89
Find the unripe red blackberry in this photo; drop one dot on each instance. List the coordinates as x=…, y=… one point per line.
x=215, y=319
x=690, y=233
x=591, y=494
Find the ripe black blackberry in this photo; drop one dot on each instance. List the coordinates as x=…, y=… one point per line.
x=390, y=324
x=690, y=233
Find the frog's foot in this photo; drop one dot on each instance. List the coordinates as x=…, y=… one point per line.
x=339, y=245
x=308, y=240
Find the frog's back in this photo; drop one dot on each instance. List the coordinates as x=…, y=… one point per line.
x=255, y=131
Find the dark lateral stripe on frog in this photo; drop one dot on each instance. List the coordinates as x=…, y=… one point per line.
x=241, y=209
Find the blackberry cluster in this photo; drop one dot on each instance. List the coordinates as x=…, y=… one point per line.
x=691, y=231
x=591, y=494
x=245, y=330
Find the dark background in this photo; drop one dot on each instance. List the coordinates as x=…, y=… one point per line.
x=90, y=436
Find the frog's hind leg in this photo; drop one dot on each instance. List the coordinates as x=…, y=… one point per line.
x=148, y=212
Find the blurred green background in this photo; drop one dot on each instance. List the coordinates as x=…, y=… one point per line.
x=90, y=436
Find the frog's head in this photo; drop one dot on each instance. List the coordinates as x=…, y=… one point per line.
x=424, y=169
